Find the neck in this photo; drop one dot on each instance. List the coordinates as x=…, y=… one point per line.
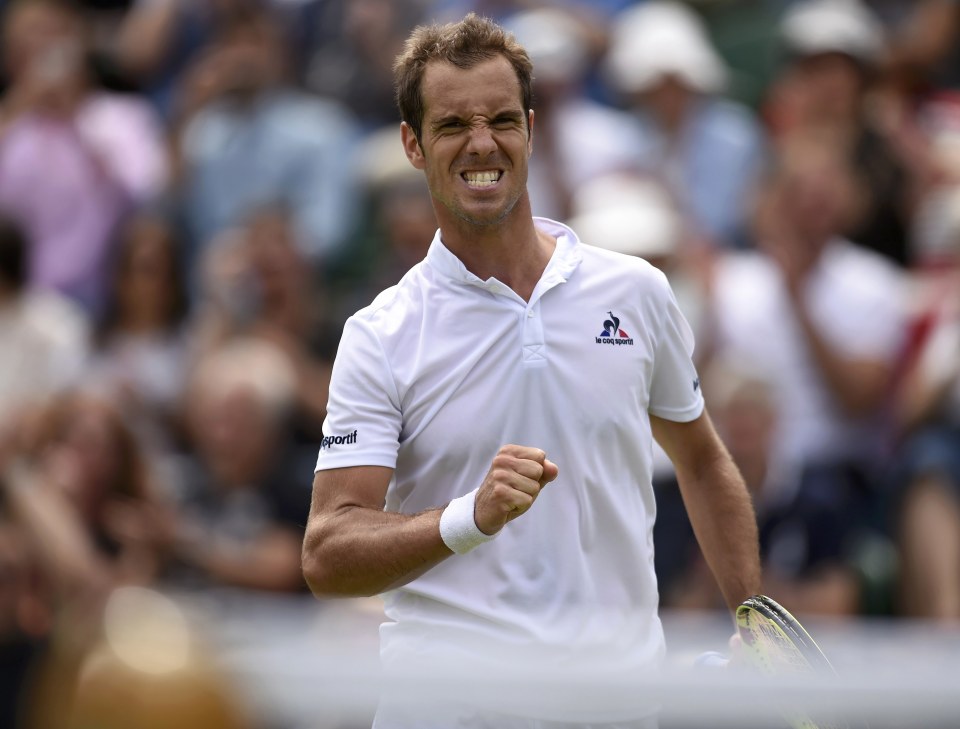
x=513, y=251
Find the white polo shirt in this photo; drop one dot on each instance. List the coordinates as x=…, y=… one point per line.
x=443, y=369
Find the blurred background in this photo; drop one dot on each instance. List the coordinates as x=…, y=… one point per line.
x=195, y=194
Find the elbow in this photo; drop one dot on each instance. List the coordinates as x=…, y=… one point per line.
x=317, y=580
x=325, y=580
x=312, y=564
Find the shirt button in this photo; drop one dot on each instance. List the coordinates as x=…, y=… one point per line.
x=530, y=314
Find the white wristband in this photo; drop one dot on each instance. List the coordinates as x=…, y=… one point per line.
x=458, y=530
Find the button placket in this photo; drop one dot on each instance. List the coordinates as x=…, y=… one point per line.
x=533, y=339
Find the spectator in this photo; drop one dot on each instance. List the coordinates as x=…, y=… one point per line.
x=244, y=501
x=84, y=516
x=707, y=149
x=247, y=139
x=141, y=349
x=834, y=53
x=824, y=319
x=79, y=516
x=79, y=486
x=258, y=284
x=73, y=158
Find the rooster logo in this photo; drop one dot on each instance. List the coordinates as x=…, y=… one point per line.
x=611, y=327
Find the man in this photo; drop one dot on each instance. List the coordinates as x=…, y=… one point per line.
x=707, y=148
x=510, y=347
x=823, y=319
x=74, y=159
x=247, y=139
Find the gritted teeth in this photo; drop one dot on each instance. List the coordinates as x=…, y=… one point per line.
x=482, y=179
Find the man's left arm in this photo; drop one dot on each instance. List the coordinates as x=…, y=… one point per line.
x=717, y=502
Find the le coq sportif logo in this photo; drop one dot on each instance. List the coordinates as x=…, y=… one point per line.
x=332, y=440
x=612, y=332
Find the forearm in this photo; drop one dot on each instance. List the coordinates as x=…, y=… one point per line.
x=65, y=551
x=858, y=385
x=145, y=36
x=358, y=551
x=723, y=519
x=353, y=548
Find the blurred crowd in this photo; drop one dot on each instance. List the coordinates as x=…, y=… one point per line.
x=195, y=194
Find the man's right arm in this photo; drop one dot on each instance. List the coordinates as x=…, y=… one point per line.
x=354, y=548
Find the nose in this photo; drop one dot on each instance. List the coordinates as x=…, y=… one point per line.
x=480, y=140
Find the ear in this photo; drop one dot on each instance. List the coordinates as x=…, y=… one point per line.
x=530, y=132
x=411, y=146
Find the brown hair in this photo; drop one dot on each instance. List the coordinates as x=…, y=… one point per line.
x=464, y=44
x=53, y=420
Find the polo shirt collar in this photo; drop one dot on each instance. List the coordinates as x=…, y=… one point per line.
x=564, y=261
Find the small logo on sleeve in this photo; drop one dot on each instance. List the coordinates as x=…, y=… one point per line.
x=332, y=440
x=696, y=384
x=612, y=333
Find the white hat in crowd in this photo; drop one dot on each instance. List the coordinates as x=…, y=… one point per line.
x=555, y=41
x=626, y=213
x=833, y=26
x=659, y=38
x=381, y=161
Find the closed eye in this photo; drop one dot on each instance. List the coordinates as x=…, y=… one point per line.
x=449, y=125
x=503, y=122
x=507, y=122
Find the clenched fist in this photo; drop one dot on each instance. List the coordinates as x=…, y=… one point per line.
x=512, y=484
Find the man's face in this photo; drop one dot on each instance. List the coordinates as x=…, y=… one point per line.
x=817, y=195
x=41, y=40
x=475, y=142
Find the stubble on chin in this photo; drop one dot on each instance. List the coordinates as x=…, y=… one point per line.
x=465, y=216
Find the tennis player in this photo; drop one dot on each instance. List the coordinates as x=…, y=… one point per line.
x=486, y=459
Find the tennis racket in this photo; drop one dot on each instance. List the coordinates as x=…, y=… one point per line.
x=776, y=644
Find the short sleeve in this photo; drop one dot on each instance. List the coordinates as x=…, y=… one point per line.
x=363, y=420
x=675, y=387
